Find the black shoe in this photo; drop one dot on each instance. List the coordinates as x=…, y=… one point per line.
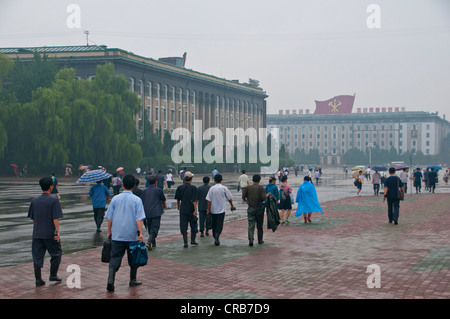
x=261, y=242
x=395, y=222
x=134, y=283
x=216, y=241
x=202, y=235
x=250, y=243
x=40, y=282
x=193, y=242
x=54, y=278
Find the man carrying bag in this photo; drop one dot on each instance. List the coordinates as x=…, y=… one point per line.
x=125, y=215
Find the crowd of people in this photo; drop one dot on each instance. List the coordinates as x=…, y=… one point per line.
x=201, y=210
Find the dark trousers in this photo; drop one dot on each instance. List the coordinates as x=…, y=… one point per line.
x=255, y=217
x=99, y=214
x=40, y=246
x=188, y=219
x=393, y=209
x=153, y=225
x=432, y=186
x=376, y=189
x=118, y=249
x=217, y=224
x=205, y=221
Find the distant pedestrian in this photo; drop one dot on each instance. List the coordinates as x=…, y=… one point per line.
x=317, y=176
x=243, y=181
x=205, y=219
x=445, y=178
x=426, y=179
x=376, y=180
x=45, y=211
x=404, y=176
x=100, y=194
x=217, y=198
x=285, y=200
x=432, y=178
x=418, y=180
x=391, y=188
x=125, y=215
x=359, y=182
x=160, y=180
x=187, y=197
x=55, y=186
x=255, y=195
x=169, y=181
x=307, y=200
x=117, y=184
x=214, y=172
x=154, y=203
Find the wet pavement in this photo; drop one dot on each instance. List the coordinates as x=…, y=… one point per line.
x=78, y=227
x=325, y=259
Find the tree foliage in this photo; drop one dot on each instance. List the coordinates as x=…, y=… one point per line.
x=66, y=119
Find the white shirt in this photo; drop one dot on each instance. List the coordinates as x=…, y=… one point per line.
x=169, y=177
x=218, y=195
x=243, y=181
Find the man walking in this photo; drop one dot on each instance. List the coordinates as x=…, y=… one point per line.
x=217, y=198
x=99, y=194
x=243, y=181
x=255, y=195
x=45, y=211
x=376, y=180
x=154, y=203
x=418, y=180
x=187, y=196
x=125, y=215
x=391, y=189
x=432, y=177
x=203, y=207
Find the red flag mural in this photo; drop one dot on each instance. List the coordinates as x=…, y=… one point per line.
x=342, y=104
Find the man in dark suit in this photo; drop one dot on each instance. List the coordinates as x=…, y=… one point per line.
x=391, y=188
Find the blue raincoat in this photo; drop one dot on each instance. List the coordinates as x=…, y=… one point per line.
x=307, y=200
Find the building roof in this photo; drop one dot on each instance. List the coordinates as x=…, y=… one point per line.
x=103, y=52
x=353, y=117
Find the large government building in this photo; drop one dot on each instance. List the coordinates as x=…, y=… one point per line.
x=335, y=134
x=172, y=95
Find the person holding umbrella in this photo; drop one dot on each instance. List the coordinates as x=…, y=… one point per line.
x=99, y=193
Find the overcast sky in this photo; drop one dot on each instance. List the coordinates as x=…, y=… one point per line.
x=300, y=51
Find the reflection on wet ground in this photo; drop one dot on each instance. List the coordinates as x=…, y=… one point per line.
x=78, y=231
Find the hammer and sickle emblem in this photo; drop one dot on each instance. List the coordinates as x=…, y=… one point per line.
x=335, y=104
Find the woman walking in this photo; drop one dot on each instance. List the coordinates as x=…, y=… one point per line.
x=307, y=200
x=285, y=200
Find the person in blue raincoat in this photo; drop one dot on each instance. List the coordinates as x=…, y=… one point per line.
x=307, y=200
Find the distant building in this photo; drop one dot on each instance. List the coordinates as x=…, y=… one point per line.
x=333, y=135
x=172, y=96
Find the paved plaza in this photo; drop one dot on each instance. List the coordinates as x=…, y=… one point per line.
x=333, y=257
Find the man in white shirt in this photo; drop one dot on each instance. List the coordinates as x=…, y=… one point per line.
x=243, y=181
x=217, y=198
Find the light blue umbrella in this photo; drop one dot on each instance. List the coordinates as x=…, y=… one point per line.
x=436, y=168
x=93, y=176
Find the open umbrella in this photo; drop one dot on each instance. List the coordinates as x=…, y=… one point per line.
x=358, y=168
x=119, y=169
x=379, y=168
x=401, y=167
x=93, y=176
x=356, y=173
x=14, y=165
x=436, y=168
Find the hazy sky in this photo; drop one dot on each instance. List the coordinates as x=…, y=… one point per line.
x=300, y=51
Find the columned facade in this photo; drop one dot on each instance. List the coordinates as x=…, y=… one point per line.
x=171, y=96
